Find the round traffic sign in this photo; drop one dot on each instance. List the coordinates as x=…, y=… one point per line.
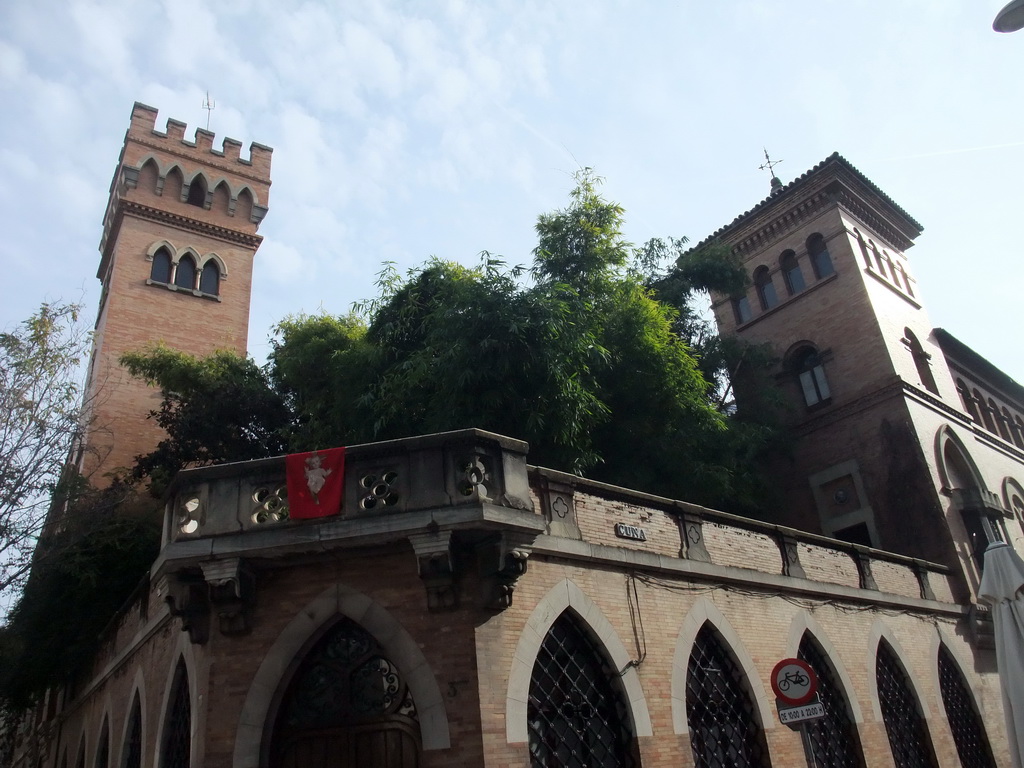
x=794, y=681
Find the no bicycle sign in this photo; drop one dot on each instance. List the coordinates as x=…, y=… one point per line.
x=796, y=687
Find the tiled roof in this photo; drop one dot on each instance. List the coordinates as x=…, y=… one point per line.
x=834, y=159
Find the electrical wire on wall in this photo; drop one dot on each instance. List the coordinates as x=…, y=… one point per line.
x=637, y=620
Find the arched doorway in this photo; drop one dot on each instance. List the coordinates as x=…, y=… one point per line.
x=346, y=707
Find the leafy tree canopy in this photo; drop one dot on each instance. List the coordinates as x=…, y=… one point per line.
x=597, y=357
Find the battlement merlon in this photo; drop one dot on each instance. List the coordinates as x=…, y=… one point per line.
x=143, y=128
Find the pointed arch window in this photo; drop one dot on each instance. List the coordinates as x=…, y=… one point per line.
x=765, y=288
x=964, y=723
x=348, y=704
x=132, y=749
x=821, y=260
x=160, y=272
x=791, y=274
x=103, y=749
x=577, y=715
x=863, y=249
x=833, y=738
x=185, y=274
x=922, y=361
x=1003, y=420
x=209, y=278
x=907, y=731
x=176, y=750
x=724, y=731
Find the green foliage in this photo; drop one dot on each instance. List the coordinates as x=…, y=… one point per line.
x=601, y=363
x=40, y=391
x=214, y=409
x=82, y=574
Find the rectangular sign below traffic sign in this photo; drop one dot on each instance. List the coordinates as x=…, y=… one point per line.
x=811, y=711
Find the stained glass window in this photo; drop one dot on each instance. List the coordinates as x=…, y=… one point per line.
x=724, y=731
x=577, y=714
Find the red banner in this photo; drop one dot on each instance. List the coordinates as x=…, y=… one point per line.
x=316, y=482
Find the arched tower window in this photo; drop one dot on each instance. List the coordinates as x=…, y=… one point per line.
x=209, y=278
x=132, y=750
x=185, y=274
x=176, y=749
x=1019, y=431
x=922, y=361
x=103, y=747
x=906, y=280
x=981, y=530
x=243, y=208
x=806, y=363
x=1003, y=421
x=968, y=731
x=907, y=731
x=348, y=704
x=791, y=273
x=821, y=260
x=197, y=191
x=741, y=309
x=576, y=714
x=173, y=183
x=879, y=261
x=833, y=738
x=221, y=199
x=863, y=249
x=986, y=414
x=160, y=272
x=148, y=175
x=724, y=732
x=765, y=288
x=970, y=405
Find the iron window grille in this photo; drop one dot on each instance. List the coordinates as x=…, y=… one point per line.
x=178, y=741
x=103, y=750
x=968, y=731
x=724, y=731
x=133, y=742
x=577, y=716
x=832, y=739
x=907, y=731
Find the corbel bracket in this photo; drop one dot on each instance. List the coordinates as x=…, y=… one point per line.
x=436, y=567
x=232, y=593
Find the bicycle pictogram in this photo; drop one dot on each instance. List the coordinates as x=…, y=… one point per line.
x=793, y=677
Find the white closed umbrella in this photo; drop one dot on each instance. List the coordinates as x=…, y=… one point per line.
x=1002, y=587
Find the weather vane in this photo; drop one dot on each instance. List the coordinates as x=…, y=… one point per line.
x=769, y=164
x=209, y=106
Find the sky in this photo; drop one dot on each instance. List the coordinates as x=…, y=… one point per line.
x=404, y=130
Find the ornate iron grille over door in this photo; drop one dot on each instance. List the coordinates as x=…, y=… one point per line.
x=724, y=732
x=577, y=716
x=178, y=741
x=968, y=732
x=346, y=707
x=833, y=738
x=906, y=729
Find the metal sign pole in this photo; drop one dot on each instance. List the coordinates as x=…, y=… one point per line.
x=808, y=750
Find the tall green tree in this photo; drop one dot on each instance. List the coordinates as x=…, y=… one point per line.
x=40, y=399
x=594, y=360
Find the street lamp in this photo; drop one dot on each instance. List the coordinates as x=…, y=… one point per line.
x=1011, y=18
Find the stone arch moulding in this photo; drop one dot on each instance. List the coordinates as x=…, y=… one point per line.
x=295, y=637
x=157, y=245
x=566, y=595
x=214, y=257
x=879, y=631
x=703, y=611
x=183, y=650
x=1011, y=488
x=943, y=437
x=803, y=622
x=138, y=689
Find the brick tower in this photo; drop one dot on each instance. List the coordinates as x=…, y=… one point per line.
x=176, y=257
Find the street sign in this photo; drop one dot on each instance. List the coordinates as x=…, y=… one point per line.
x=794, y=682
x=811, y=711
